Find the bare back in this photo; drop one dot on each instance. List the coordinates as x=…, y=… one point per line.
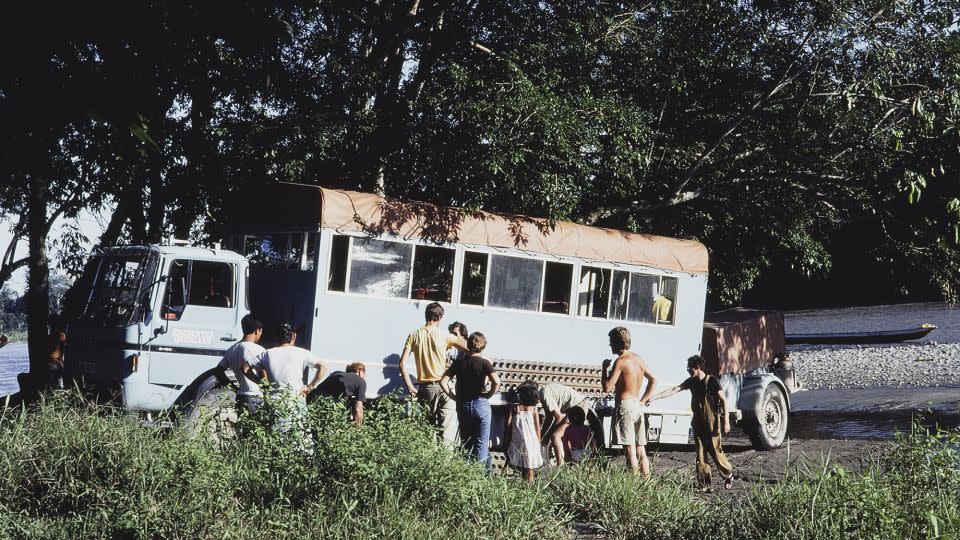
x=632, y=372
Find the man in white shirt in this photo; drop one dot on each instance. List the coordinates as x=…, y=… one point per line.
x=241, y=358
x=283, y=367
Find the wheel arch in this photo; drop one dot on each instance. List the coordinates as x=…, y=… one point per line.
x=753, y=388
x=202, y=384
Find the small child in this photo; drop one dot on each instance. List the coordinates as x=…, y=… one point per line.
x=576, y=438
x=523, y=432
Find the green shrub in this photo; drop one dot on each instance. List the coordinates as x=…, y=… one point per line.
x=70, y=470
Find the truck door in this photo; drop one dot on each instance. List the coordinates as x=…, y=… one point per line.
x=198, y=320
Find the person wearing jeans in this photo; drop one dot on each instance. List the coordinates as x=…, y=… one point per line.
x=472, y=396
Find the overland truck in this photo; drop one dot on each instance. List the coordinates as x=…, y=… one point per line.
x=355, y=271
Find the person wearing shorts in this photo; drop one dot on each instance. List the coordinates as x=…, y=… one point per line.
x=627, y=376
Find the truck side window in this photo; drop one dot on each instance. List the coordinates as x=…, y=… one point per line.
x=594, y=292
x=211, y=284
x=663, y=306
x=432, y=273
x=380, y=268
x=197, y=283
x=515, y=282
x=557, y=278
x=473, y=284
x=644, y=290
x=337, y=278
x=619, y=295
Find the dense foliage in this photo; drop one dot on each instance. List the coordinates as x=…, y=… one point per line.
x=69, y=471
x=767, y=130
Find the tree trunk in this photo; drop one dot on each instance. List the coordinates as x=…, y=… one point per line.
x=38, y=288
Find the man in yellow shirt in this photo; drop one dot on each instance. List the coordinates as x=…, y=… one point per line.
x=429, y=345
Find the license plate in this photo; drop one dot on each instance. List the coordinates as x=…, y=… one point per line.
x=88, y=367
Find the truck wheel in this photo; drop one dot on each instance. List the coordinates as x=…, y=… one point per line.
x=212, y=412
x=767, y=424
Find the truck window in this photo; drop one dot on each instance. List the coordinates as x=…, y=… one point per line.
x=380, y=268
x=644, y=290
x=432, y=273
x=515, y=282
x=281, y=251
x=557, y=278
x=594, y=292
x=337, y=277
x=620, y=291
x=664, y=304
x=120, y=292
x=473, y=284
x=197, y=283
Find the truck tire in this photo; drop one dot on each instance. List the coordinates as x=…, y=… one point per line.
x=766, y=426
x=212, y=411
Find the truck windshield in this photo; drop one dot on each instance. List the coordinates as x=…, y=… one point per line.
x=121, y=289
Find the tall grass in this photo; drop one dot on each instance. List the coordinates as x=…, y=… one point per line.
x=71, y=470
x=911, y=492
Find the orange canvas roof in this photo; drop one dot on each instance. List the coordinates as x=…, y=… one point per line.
x=365, y=212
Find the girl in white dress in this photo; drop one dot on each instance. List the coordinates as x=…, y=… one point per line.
x=523, y=432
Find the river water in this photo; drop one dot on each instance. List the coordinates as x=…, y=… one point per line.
x=13, y=360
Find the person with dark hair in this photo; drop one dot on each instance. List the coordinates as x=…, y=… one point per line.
x=627, y=376
x=242, y=359
x=576, y=438
x=457, y=328
x=557, y=401
x=710, y=420
x=351, y=386
x=473, y=399
x=283, y=367
x=3, y=341
x=429, y=345
x=522, y=433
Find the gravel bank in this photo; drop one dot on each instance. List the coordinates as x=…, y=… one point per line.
x=859, y=366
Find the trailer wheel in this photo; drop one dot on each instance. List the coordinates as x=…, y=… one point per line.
x=212, y=412
x=767, y=424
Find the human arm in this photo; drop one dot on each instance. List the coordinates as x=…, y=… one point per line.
x=459, y=343
x=445, y=385
x=536, y=423
x=664, y=394
x=722, y=401
x=317, y=377
x=651, y=384
x=220, y=373
x=494, y=384
x=404, y=374
x=358, y=413
x=255, y=374
x=610, y=381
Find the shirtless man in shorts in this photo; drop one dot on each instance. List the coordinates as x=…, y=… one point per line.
x=627, y=376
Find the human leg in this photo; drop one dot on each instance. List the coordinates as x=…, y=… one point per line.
x=719, y=457
x=467, y=427
x=481, y=446
x=701, y=441
x=556, y=440
x=643, y=461
x=596, y=429
x=630, y=457
x=446, y=418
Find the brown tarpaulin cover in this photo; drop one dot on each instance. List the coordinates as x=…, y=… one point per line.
x=342, y=210
x=739, y=340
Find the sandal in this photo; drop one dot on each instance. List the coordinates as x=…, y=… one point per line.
x=728, y=483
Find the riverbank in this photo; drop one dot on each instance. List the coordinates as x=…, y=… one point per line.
x=890, y=366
